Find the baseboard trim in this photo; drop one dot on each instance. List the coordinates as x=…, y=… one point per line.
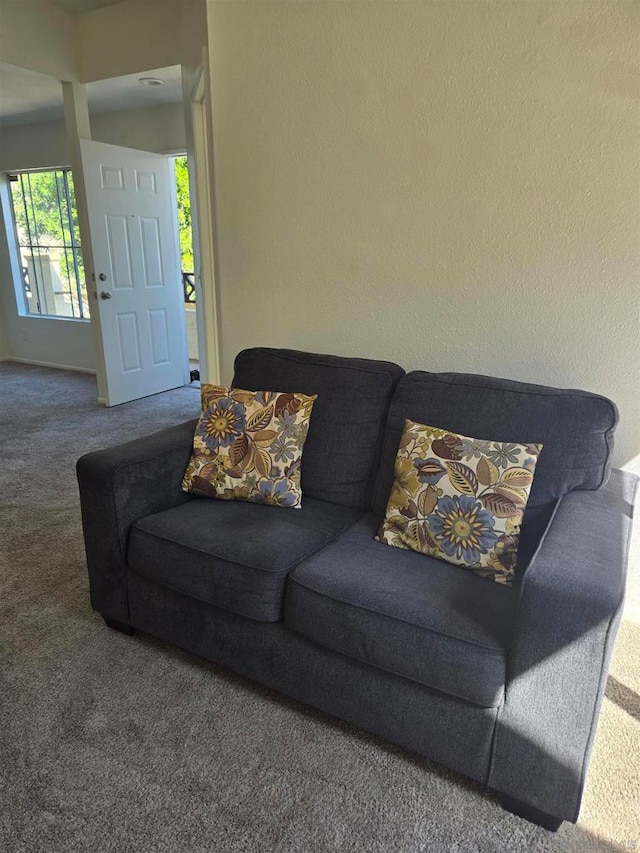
x=48, y=364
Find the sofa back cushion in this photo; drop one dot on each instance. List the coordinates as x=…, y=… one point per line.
x=575, y=427
x=342, y=449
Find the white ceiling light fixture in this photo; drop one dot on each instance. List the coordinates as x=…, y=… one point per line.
x=151, y=81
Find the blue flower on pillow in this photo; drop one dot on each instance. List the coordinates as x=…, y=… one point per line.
x=286, y=423
x=283, y=450
x=463, y=528
x=504, y=454
x=473, y=448
x=275, y=493
x=222, y=423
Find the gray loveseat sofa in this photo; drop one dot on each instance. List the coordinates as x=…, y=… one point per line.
x=501, y=684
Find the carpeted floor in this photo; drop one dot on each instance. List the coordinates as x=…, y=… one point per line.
x=112, y=743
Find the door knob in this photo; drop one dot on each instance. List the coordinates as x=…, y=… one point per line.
x=104, y=294
x=102, y=277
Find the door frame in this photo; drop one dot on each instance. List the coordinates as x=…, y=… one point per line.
x=77, y=128
x=201, y=188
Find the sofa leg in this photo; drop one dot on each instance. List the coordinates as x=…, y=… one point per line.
x=119, y=626
x=517, y=807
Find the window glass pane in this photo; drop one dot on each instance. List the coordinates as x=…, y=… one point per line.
x=49, y=244
x=74, y=211
x=63, y=209
x=20, y=197
x=44, y=209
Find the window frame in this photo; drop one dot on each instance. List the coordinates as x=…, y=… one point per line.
x=34, y=249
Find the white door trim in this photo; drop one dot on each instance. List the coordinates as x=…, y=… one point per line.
x=205, y=276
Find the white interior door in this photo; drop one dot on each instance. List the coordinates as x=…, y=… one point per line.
x=137, y=273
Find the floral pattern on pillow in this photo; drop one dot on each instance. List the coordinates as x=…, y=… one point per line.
x=248, y=446
x=460, y=499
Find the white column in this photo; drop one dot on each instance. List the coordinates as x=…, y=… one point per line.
x=78, y=126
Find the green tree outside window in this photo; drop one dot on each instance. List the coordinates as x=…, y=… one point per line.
x=184, y=214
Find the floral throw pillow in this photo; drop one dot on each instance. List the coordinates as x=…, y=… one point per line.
x=248, y=446
x=460, y=499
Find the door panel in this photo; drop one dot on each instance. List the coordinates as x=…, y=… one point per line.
x=111, y=178
x=158, y=330
x=146, y=181
x=152, y=262
x=129, y=342
x=119, y=252
x=138, y=284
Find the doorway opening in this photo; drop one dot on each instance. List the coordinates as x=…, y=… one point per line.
x=187, y=265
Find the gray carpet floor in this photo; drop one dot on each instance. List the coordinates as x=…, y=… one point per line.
x=115, y=743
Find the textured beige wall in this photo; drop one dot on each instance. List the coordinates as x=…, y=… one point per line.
x=450, y=185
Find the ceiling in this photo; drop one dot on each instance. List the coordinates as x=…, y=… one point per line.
x=28, y=98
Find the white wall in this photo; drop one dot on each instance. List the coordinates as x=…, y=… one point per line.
x=57, y=343
x=130, y=37
x=35, y=34
x=125, y=38
x=452, y=186
x=159, y=129
x=32, y=146
x=63, y=342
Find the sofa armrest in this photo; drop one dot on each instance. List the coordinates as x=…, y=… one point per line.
x=118, y=486
x=570, y=606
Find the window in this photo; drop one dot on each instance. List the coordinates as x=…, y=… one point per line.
x=46, y=219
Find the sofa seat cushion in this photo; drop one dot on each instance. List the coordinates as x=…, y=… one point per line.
x=233, y=555
x=405, y=612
